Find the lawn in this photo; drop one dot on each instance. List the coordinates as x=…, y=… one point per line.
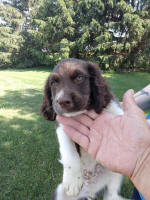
x=29, y=167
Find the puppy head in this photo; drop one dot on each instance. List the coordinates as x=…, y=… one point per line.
x=74, y=85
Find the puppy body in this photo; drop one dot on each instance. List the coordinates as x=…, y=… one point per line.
x=84, y=171
x=72, y=95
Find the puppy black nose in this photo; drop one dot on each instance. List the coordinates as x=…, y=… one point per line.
x=64, y=102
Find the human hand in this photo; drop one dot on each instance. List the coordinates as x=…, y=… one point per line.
x=117, y=142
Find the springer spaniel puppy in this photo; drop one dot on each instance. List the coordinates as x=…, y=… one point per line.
x=74, y=87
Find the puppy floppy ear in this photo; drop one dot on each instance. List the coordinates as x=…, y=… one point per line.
x=47, y=108
x=100, y=94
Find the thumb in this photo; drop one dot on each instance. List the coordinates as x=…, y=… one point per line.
x=129, y=103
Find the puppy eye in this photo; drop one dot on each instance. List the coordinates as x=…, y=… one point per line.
x=54, y=82
x=79, y=78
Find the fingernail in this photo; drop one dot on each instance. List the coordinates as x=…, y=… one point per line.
x=132, y=91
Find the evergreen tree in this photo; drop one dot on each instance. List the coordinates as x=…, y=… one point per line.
x=116, y=34
x=10, y=40
x=48, y=38
x=113, y=33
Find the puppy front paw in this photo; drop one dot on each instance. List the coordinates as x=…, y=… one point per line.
x=72, y=184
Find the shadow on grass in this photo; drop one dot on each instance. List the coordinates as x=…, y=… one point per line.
x=26, y=101
x=38, y=69
x=29, y=167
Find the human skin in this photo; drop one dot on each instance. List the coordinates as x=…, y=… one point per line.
x=120, y=143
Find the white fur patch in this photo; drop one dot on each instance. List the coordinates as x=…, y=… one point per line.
x=74, y=113
x=114, y=108
x=72, y=177
x=59, y=94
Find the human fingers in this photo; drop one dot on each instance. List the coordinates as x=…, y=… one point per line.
x=129, y=103
x=77, y=136
x=71, y=122
x=84, y=119
x=92, y=114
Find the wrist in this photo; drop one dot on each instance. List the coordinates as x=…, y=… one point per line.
x=141, y=174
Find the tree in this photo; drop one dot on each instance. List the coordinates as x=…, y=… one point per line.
x=113, y=33
x=116, y=34
x=10, y=39
x=47, y=40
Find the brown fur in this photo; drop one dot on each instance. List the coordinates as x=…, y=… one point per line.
x=90, y=93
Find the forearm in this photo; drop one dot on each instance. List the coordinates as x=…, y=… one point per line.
x=141, y=175
x=142, y=98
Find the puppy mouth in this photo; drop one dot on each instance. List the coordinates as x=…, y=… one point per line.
x=59, y=110
x=66, y=111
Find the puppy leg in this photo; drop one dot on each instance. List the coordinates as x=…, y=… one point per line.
x=72, y=177
x=60, y=194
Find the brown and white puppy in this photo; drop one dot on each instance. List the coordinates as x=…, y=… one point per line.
x=74, y=87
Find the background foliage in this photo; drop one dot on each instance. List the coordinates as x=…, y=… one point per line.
x=116, y=34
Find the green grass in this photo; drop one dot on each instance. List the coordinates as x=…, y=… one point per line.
x=29, y=167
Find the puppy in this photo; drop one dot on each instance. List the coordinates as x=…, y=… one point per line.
x=74, y=87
